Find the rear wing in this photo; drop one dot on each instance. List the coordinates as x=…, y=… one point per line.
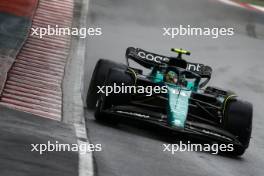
x=149, y=60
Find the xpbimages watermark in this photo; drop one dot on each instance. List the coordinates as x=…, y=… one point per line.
x=188, y=30
x=124, y=89
x=190, y=147
x=60, y=31
x=59, y=147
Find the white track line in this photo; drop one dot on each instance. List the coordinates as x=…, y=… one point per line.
x=232, y=3
x=86, y=167
x=85, y=160
x=243, y=5
x=257, y=7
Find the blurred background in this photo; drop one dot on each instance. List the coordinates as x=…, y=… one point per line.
x=237, y=63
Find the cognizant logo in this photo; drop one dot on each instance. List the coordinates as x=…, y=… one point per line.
x=151, y=57
x=194, y=67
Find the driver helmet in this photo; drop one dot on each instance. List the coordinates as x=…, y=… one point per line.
x=171, y=77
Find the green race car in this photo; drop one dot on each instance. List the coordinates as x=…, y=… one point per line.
x=177, y=100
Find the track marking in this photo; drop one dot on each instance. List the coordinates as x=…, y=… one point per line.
x=239, y=4
x=86, y=167
x=85, y=160
x=258, y=7
x=230, y=3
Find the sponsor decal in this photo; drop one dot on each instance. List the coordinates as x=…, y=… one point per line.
x=178, y=92
x=194, y=67
x=152, y=57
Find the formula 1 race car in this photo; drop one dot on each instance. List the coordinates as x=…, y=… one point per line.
x=171, y=95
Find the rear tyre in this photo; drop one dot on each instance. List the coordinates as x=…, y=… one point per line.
x=238, y=121
x=98, y=78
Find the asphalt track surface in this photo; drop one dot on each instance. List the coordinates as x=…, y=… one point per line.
x=130, y=150
x=19, y=130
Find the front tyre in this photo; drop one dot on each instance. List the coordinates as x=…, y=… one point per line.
x=98, y=78
x=238, y=121
x=119, y=77
x=100, y=116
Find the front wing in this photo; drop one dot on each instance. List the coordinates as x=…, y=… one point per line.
x=196, y=129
